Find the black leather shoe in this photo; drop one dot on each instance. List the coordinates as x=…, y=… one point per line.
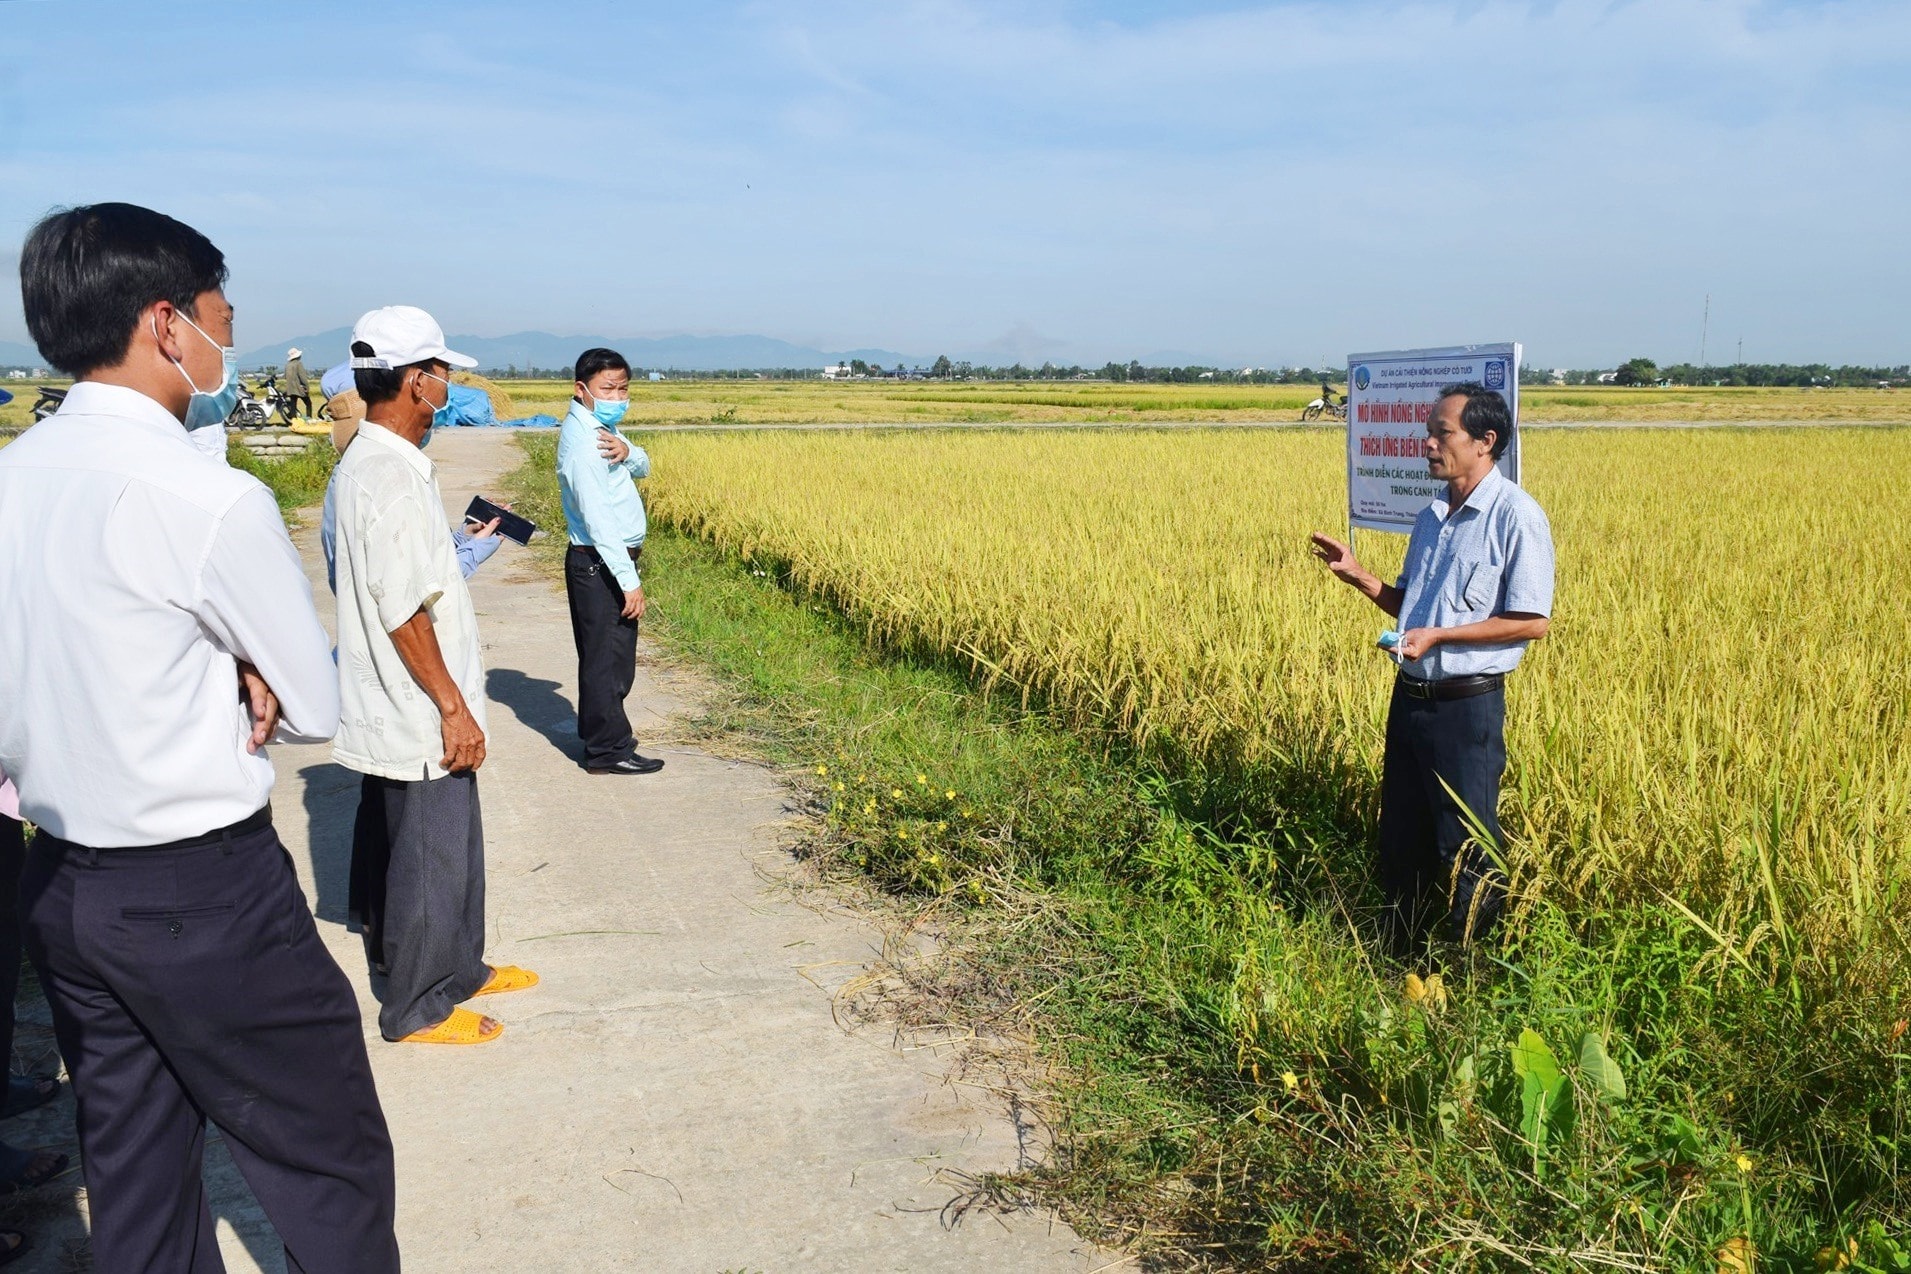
x=632, y=764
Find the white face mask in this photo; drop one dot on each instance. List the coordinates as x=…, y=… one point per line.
x=440, y=416
x=208, y=407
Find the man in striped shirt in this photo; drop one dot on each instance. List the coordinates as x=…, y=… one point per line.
x=1475, y=590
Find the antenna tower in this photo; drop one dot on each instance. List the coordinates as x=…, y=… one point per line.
x=1705, y=326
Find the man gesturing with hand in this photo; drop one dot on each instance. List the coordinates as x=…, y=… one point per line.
x=1476, y=588
x=411, y=684
x=596, y=478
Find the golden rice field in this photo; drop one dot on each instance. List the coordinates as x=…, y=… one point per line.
x=692, y=402
x=695, y=402
x=1722, y=714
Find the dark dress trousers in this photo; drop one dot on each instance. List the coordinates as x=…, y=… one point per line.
x=188, y=983
x=606, y=656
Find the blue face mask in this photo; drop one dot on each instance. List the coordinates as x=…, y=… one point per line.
x=607, y=412
x=208, y=407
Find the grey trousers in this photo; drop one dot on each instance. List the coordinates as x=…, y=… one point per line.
x=418, y=895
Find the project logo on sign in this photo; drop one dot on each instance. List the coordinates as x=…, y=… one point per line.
x=1495, y=374
x=1362, y=378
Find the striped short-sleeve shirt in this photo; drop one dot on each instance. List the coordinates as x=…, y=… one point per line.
x=1492, y=556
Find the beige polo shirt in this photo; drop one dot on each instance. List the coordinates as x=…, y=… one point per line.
x=395, y=556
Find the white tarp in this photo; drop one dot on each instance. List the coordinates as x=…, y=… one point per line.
x=1390, y=395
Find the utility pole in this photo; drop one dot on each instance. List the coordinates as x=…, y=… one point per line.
x=1705, y=326
x=1741, y=352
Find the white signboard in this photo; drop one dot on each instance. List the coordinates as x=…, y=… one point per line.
x=1390, y=395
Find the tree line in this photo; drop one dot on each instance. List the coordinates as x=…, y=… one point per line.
x=1644, y=371
x=945, y=368
x=1634, y=371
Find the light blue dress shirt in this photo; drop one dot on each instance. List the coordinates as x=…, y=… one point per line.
x=1493, y=556
x=601, y=506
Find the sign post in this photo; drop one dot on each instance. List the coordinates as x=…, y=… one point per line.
x=1390, y=396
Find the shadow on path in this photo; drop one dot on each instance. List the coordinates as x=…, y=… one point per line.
x=537, y=703
x=331, y=805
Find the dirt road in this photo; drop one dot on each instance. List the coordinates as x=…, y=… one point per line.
x=675, y=1096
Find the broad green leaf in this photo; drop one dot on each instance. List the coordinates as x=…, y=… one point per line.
x=1600, y=1070
x=1544, y=1096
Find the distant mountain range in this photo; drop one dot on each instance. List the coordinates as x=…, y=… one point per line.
x=14, y=354
x=541, y=349
x=685, y=353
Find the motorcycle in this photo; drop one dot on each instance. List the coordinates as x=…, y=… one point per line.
x=278, y=401
x=47, y=403
x=1325, y=406
x=248, y=412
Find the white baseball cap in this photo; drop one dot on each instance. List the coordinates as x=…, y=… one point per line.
x=401, y=335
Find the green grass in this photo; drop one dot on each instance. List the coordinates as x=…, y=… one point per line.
x=1599, y=1090
x=297, y=482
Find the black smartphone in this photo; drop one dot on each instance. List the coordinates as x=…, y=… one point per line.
x=510, y=525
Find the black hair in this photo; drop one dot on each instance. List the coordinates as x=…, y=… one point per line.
x=593, y=361
x=86, y=274
x=380, y=384
x=1485, y=411
x=375, y=384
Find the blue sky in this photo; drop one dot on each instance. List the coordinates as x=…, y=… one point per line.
x=1274, y=183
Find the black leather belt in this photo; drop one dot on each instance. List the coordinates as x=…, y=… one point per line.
x=254, y=822
x=1450, y=687
x=590, y=550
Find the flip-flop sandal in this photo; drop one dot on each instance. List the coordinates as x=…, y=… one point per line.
x=462, y=1027
x=16, y=1169
x=13, y=1245
x=507, y=977
x=28, y=1092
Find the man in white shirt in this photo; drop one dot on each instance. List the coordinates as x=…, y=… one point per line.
x=157, y=629
x=412, y=686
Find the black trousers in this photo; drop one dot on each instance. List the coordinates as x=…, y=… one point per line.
x=13, y=853
x=606, y=657
x=190, y=984
x=417, y=892
x=1433, y=868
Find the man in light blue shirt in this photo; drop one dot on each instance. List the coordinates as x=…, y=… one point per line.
x=1475, y=590
x=605, y=516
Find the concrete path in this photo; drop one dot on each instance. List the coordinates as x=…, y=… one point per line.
x=676, y=1095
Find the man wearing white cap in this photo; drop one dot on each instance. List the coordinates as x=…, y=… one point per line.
x=411, y=685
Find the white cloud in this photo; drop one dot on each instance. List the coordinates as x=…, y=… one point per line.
x=1268, y=183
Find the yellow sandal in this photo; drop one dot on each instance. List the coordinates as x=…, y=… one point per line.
x=462, y=1027
x=507, y=977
